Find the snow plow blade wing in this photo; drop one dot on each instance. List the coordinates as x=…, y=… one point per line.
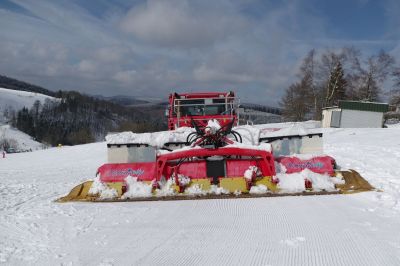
x=78, y=193
x=354, y=183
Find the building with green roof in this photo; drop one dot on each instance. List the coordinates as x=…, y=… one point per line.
x=355, y=114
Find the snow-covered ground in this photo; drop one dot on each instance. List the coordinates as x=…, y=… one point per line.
x=360, y=229
x=23, y=141
x=13, y=100
x=16, y=100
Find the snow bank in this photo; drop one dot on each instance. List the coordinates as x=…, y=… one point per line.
x=136, y=189
x=396, y=125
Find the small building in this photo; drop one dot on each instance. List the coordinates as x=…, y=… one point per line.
x=355, y=114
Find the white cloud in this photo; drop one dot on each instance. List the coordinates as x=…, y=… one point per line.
x=164, y=45
x=179, y=24
x=127, y=76
x=87, y=66
x=110, y=54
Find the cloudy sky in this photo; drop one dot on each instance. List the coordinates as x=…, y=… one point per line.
x=150, y=48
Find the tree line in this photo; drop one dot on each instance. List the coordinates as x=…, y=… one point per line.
x=326, y=77
x=14, y=84
x=75, y=118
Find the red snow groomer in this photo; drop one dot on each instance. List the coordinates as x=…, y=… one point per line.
x=200, y=107
x=214, y=159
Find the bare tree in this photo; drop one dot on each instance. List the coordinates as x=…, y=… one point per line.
x=335, y=75
x=307, y=74
x=295, y=105
x=370, y=77
x=395, y=92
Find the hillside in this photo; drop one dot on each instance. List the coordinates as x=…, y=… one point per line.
x=72, y=118
x=358, y=229
x=14, y=100
x=17, y=140
x=122, y=100
x=14, y=84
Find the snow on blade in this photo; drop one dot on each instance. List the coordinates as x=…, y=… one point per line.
x=319, y=182
x=136, y=189
x=102, y=190
x=250, y=173
x=259, y=189
x=218, y=190
x=291, y=182
x=166, y=189
x=183, y=180
x=195, y=190
x=295, y=182
x=108, y=193
x=338, y=179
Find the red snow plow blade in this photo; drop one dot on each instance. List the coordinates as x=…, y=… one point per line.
x=354, y=183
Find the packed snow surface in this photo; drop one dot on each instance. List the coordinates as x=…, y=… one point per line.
x=358, y=229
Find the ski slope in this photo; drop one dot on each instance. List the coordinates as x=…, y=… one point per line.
x=360, y=229
x=23, y=141
x=16, y=100
x=20, y=99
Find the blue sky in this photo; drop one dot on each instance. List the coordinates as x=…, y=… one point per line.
x=150, y=48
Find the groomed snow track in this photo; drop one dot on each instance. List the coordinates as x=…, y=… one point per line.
x=357, y=229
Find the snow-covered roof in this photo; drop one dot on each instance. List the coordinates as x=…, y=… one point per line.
x=156, y=139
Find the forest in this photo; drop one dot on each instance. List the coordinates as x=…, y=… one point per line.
x=75, y=118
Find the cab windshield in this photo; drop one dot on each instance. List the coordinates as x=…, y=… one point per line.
x=199, y=107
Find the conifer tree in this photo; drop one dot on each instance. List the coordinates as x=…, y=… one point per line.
x=336, y=86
